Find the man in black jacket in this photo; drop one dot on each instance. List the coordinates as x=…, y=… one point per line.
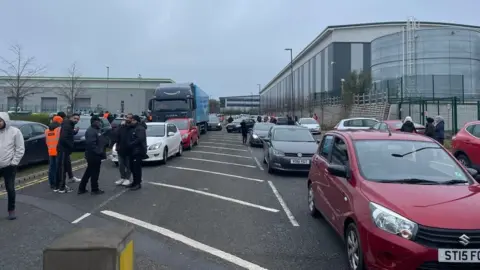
x=68, y=162
x=94, y=154
x=64, y=149
x=122, y=140
x=137, y=151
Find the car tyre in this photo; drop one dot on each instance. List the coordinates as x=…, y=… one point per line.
x=311, y=202
x=165, y=156
x=353, y=247
x=464, y=160
x=269, y=168
x=180, y=150
x=229, y=131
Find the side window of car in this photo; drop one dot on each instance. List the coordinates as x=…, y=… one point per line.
x=339, y=152
x=369, y=122
x=354, y=123
x=174, y=128
x=376, y=126
x=38, y=130
x=383, y=126
x=26, y=131
x=470, y=129
x=476, y=131
x=325, y=146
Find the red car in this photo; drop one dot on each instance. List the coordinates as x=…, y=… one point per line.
x=399, y=201
x=188, y=130
x=466, y=145
x=396, y=125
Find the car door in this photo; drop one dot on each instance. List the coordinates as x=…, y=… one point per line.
x=171, y=140
x=28, y=157
x=340, y=193
x=472, y=144
x=193, y=131
x=317, y=174
x=39, y=144
x=177, y=139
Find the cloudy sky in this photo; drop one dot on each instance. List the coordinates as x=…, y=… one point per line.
x=225, y=46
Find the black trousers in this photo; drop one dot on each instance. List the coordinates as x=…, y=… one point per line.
x=9, y=173
x=244, y=137
x=63, y=159
x=136, y=168
x=92, y=173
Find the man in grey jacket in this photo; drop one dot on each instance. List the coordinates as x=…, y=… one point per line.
x=13, y=148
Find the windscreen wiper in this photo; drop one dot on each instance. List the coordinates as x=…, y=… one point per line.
x=454, y=182
x=412, y=181
x=418, y=150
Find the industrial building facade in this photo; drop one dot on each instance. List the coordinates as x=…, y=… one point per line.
x=113, y=94
x=396, y=54
x=240, y=103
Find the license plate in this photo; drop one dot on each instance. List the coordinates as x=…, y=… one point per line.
x=459, y=255
x=300, y=161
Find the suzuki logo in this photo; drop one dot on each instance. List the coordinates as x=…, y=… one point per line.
x=464, y=240
x=299, y=154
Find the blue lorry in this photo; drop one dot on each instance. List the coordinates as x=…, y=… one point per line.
x=177, y=100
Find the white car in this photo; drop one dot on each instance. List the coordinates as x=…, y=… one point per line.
x=311, y=124
x=163, y=141
x=356, y=123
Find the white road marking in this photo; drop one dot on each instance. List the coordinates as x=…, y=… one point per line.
x=284, y=205
x=217, y=143
x=217, y=173
x=217, y=196
x=220, y=154
x=220, y=162
x=81, y=218
x=258, y=163
x=188, y=241
x=225, y=148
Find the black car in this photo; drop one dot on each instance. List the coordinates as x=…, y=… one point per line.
x=35, y=145
x=235, y=125
x=214, y=123
x=83, y=124
x=289, y=148
x=258, y=132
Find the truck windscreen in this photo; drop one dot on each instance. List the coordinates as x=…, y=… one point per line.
x=167, y=105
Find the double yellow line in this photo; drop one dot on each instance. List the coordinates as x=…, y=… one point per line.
x=38, y=181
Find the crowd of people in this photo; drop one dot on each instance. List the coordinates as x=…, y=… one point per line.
x=435, y=128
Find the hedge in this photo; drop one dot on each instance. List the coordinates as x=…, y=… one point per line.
x=40, y=118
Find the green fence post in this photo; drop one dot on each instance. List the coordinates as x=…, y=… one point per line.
x=454, y=115
x=478, y=109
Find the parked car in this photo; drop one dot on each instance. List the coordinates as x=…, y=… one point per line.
x=399, y=201
x=466, y=145
x=356, y=123
x=258, y=132
x=311, y=124
x=214, y=123
x=35, y=146
x=83, y=124
x=282, y=120
x=396, y=125
x=163, y=141
x=288, y=148
x=235, y=125
x=188, y=131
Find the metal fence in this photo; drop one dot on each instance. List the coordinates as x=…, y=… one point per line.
x=45, y=109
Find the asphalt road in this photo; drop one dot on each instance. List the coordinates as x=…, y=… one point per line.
x=215, y=207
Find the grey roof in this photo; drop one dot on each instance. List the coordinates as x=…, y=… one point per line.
x=328, y=30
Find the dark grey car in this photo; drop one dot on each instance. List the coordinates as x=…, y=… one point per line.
x=289, y=148
x=82, y=125
x=258, y=132
x=214, y=123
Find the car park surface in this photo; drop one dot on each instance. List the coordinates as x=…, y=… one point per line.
x=217, y=198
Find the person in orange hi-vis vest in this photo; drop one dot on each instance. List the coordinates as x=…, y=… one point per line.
x=106, y=114
x=52, y=135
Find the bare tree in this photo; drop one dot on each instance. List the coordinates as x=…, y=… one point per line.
x=72, y=88
x=19, y=76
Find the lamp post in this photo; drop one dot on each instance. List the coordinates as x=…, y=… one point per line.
x=259, y=98
x=292, y=97
x=106, y=92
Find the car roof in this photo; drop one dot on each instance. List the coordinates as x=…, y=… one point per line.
x=376, y=135
x=287, y=127
x=156, y=123
x=356, y=118
x=178, y=118
x=22, y=122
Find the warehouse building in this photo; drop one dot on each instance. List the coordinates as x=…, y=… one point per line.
x=51, y=94
x=240, y=103
x=405, y=59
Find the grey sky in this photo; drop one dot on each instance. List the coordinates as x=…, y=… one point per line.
x=225, y=46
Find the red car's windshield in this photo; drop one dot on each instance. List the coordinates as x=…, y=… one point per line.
x=180, y=123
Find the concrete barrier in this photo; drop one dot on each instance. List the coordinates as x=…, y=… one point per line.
x=91, y=249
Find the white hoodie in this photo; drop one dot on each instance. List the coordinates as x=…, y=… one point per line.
x=12, y=146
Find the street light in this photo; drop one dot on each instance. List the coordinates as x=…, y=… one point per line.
x=106, y=92
x=259, y=98
x=292, y=97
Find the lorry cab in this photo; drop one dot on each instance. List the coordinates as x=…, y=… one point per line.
x=188, y=130
x=186, y=101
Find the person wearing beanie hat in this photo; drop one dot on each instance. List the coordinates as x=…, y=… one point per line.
x=430, y=128
x=95, y=145
x=13, y=149
x=137, y=147
x=52, y=135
